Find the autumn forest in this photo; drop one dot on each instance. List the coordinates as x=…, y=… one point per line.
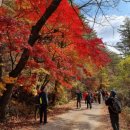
x=49, y=44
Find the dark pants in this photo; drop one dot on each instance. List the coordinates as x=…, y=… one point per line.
x=114, y=121
x=89, y=104
x=43, y=109
x=78, y=103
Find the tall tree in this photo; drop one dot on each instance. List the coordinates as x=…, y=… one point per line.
x=124, y=44
x=55, y=24
x=4, y=100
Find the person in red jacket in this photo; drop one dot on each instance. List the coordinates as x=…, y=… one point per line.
x=84, y=96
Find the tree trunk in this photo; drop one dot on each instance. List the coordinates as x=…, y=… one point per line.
x=55, y=93
x=4, y=101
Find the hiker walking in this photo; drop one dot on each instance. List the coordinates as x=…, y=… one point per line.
x=103, y=94
x=89, y=100
x=43, y=105
x=114, y=107
x=79, y=98
x=99, y=97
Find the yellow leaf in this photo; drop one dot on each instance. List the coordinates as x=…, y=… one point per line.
x=9, y=80
x=41, y=70
x=2, y=85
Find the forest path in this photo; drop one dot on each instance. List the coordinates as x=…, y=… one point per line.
x=70, y=118
x=78, y=119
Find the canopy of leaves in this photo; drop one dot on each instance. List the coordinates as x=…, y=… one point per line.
x=61, y=48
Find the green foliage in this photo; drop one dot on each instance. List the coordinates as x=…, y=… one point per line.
x=127, y=114
x=112, y=70
x=62, y=95
x=91, y=35
x=124, y=44
x=103, y=77
x=41, y=71
x=124, y=71
x=120, y=80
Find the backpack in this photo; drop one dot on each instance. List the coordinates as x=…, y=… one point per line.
x=116, y=106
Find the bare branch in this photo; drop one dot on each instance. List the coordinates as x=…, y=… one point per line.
x=10, y=51
x=86, y=4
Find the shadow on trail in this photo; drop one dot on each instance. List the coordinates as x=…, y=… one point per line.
x=98, y=118
x=88, y=123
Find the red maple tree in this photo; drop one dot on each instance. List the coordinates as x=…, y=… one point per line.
x=56, y=42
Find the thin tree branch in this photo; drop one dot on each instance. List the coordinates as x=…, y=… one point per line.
x=10, y=52
x=84, y=5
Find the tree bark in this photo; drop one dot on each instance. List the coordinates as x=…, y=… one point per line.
x=4, y=100
x=55, y=93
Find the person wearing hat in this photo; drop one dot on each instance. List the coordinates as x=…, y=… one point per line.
x=114, y=116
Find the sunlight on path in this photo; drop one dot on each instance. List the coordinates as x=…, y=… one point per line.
x=78, y=119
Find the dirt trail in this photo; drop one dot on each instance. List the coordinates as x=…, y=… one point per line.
x=78, y=119
x=75, y=119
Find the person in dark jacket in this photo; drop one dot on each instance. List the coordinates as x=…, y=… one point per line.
x=99, y=96
x=43, y=105
x=89, y=100
x=103, y=94
x=114, y=117
x=79, y=98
